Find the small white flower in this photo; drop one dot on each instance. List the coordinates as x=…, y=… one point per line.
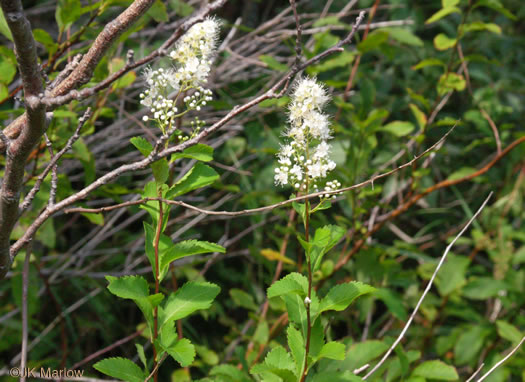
x=307, y=300
x=145, y=118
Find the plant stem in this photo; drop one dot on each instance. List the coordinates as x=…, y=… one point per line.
x=307, y=305
x=155, y=311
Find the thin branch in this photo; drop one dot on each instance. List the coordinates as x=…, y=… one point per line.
x=425, y=292
x=25, y=317
x=299, y=29
x=53, y=162
x=475, y=373
x=502, y=361
x=259, y=209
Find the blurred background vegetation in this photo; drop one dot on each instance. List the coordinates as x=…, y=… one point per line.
x=417, y=68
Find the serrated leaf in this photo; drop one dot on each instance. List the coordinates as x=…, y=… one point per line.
x=399, y=128
x=188, y=248
x=291, y=283
x=443, y=42
x=191, y=297
x=279, y=358
x=121, y=368
x=436, y=370
x=469, y=344
x=183, y=352
x=442, y=13
x=296, y=345
x=201, y=152
x=482, y=288
x=342, y=295
x=132, y=287
x=495, y=5
x=199, y=176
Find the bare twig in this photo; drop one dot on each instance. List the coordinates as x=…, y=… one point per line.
x=54, y=160
x=25, y=318
x=425, y=292
x=502, y=361
x=475, y=373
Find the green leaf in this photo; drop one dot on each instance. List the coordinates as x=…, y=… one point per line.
x=452, y=275
x=449, y=3
x=443, y=42
x=272, y=63
x=495, y=5
x=199, y=176
x=449, y=82
x=158, y=12
x=142, y=357
x=201, y=152
x=161, y=170
x=243, y=299
x=324, y=240
x=296, y=345
x=362, y=353
x=191, y=297
x=279, y=358
x=291, y=283
x=399, y=128
x=436, y=370
x=373, y=41
x=231, y=372
x=97, y=219
x=4, y=28
x=442, y=13
x=131, y=287
x=342, y=295
x=183, y=352
x=393, y=302
x=7, y=67
x=404, y=36
x=420, y=117
x=469, y=344
x=188, y=248
x=121, y=368
x=428, y=62
x=142, y=145
x=461, y=173
x=481, y=26
x=336, y=376
x=509, y=332
x=67, y=12
x=482, y=288
x=333, y=350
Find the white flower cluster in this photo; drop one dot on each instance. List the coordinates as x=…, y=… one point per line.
x=192, y=58
x=305, y=161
